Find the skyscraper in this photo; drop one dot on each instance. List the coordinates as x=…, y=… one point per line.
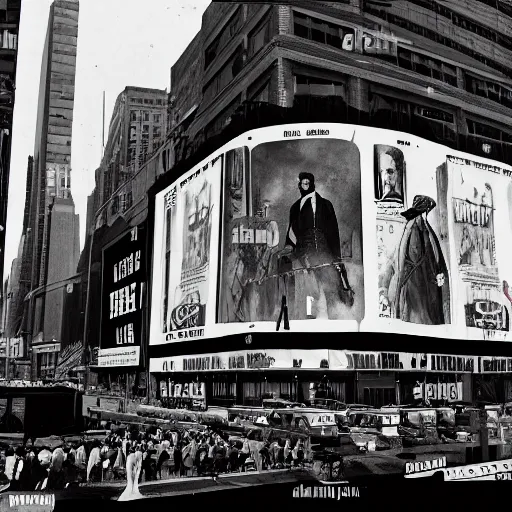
x=51, y=227
x=9, y=24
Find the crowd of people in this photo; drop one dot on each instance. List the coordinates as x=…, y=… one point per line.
x=165, y=454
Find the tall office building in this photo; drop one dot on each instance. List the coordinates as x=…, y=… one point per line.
x=51, y=230
x=9, y=25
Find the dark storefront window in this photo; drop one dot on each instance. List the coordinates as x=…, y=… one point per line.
x=46, y=364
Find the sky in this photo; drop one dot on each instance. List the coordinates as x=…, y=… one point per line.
x=120, y=43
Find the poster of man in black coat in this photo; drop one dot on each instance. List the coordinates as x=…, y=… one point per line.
x=293, y=228
x=313, y=240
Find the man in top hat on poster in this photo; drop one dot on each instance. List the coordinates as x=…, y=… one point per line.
x=313, y=239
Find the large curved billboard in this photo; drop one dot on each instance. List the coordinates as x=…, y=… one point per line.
x=333, y=228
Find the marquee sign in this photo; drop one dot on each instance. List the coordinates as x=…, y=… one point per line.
x=325, y=359
x=121, y=309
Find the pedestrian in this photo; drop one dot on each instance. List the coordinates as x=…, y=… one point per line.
x=56, y=477
x=14, y=467
x=94, y=468
x=177, y=459
x=233, y=457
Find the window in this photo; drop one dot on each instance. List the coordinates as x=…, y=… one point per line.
x=437, y=37
x=323, y=32
x=157, y=132
x=145, y=116
x=483, y=130
x=156, y=118
x=138, y=100
x=226, y=35
x=262, y=93
x=487, y=89
x=312, y=86
x=133, y=115
x=220, y=122
x=427, y=66
x=225, y=75
x=145, y=131
x=260, y=36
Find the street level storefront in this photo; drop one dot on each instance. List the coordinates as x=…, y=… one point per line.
x=373, y=378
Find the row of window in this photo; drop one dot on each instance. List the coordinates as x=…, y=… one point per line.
x=320, y=31
x=465, y=23
x=148, y=101
x=135, y=115
x=157, y=132
x=232, y=27
x=438, y=38
x=229, y=71
x=503, y=6
x=427, y=66
x=490, y=90
x=121, y=203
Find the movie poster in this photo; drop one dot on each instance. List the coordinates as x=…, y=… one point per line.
x=473, y=218
x=291, y=246
x=413, y=275
x=186, y=249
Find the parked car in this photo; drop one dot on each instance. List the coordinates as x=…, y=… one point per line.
x=318, y=424
x=372, y=429
x=418, y=425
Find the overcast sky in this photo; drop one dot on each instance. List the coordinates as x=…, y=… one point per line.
x=120, y=43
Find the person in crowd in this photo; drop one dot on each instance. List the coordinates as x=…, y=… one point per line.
x=70, y=469
x=165, y=460
x=219, y=455
x=177, y=459
x=233, y=457
x=94, y=464
x=14, y=466
x=56, y=476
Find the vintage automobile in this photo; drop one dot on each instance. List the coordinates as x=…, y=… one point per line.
x=371, y=429
x=446, y=425
x=418, y=425
x=467, y=422
x=341, y=415
x=318, y=424
x=328, y=404
x=494, y=413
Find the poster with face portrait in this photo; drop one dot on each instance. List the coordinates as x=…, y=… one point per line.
x=413, y=277
x=291, y=244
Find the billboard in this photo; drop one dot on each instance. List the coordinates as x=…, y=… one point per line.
x=333, y=228
x=121, y=309
x=185, y=255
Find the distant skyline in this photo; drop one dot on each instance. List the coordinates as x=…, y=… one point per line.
x=119, y=44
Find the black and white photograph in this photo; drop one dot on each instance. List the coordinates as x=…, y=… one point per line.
x=255, y=254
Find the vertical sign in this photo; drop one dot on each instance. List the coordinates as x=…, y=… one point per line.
x=121, y=310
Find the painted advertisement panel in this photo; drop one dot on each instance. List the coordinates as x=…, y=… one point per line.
x=186, y=231
x=268, y=234
x=292, y=234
